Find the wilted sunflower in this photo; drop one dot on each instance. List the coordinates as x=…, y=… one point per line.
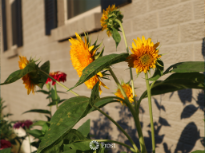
x=144, y=55
x=128, y=91
x=82, y=54
x=105, y=17
x=26, y=78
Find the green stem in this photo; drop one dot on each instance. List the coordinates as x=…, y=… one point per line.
x=150, y=112
x=59, y=83
x=134, y=114
x=123, y=131
x=117, y=142
x=56, y=96
x=49, y=89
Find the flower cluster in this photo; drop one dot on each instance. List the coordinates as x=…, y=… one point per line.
x=23, y=124
x=4, y=144
x=59, y=76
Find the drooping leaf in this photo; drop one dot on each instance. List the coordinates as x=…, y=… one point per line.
x=85, y=128
x=54, y=103
x=94, y=94
x=43, y=91
x=158, y=71
x=44, y=111
x=46, y=68
x=67, y=115
x=116, y=36
x=186, y=67
x=20, y=73
x=198, y=151
x=99, y=64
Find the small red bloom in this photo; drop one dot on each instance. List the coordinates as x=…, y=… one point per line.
x=17, y=125
x=4, y=144
x=27, y=123
x=59, y=76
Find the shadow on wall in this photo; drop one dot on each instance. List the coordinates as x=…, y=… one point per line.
x=190, y=134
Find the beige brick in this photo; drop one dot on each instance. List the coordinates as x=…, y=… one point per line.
x=159, y=4
x=177, y=53
x=176, y=14
x=127, y=25
x=145, y=22
x=191, y=31
x=165, y=36
x=198, y=56
x=198, y=9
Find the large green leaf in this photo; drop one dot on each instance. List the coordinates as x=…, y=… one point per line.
x=20, y=73
x=99, y=64
x=46, y=68
x=44, y=111
x=186, y=67
x=94, y=94
x=67, y=115
x=85, y=128
x=198, y=151
x=7, y=150
x=175, y=82
x=35, y=133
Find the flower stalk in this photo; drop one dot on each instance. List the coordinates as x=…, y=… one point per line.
x=56, y=96
x=150, y=112
x=134, y=113
x=121, y=129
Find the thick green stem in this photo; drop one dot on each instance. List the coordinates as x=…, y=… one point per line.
x=150, y=112
x=59, y=83
x=121, y=129
x=117, y=142
x=56, y=96
x=134, y=114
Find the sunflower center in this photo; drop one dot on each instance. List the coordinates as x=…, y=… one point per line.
x=145, y=59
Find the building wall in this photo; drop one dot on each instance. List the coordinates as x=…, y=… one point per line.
x=176, y=24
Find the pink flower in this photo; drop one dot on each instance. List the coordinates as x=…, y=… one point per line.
x=23, y=124
x=4, y=144
x=59, y=76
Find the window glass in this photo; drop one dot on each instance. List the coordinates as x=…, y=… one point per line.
x=75, y=7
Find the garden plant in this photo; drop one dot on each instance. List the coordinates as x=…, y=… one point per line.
x=57, y=134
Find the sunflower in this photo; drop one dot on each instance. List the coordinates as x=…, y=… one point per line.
x=144, y=55
x=128, y=91
x=26, y=78
x=82, y=54
x=105, y=17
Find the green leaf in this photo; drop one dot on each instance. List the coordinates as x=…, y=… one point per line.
x=198, y=151
x=67, y=115
x=20, y=73
x=39, y=123
x=73, y=136
x=186, y=67
x=116, y=36
x=43, y=91
x=158, y=71
x=46, y=68
x=35, y=133
x=82, y=146
x=85, y=128
x=99, y=64
x=94, y=94
x=44, y=111
x=175, y=82
x=54, y=103
x=7, y=150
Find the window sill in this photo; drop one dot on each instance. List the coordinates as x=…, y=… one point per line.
x=11, y=52
x=88, y=23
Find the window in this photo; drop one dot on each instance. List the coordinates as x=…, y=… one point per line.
x=76, y=7
x=11, y=20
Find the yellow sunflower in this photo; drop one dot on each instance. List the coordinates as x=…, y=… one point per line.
x=105, y=17
x=81, y=57
x=26, y=79
x=128, y=91
x=144, y=55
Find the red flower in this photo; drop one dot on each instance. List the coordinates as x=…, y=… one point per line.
x=59, y=76
x=17, y=125
x=4, y=144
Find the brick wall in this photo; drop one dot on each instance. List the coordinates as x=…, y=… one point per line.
x=176, y=24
